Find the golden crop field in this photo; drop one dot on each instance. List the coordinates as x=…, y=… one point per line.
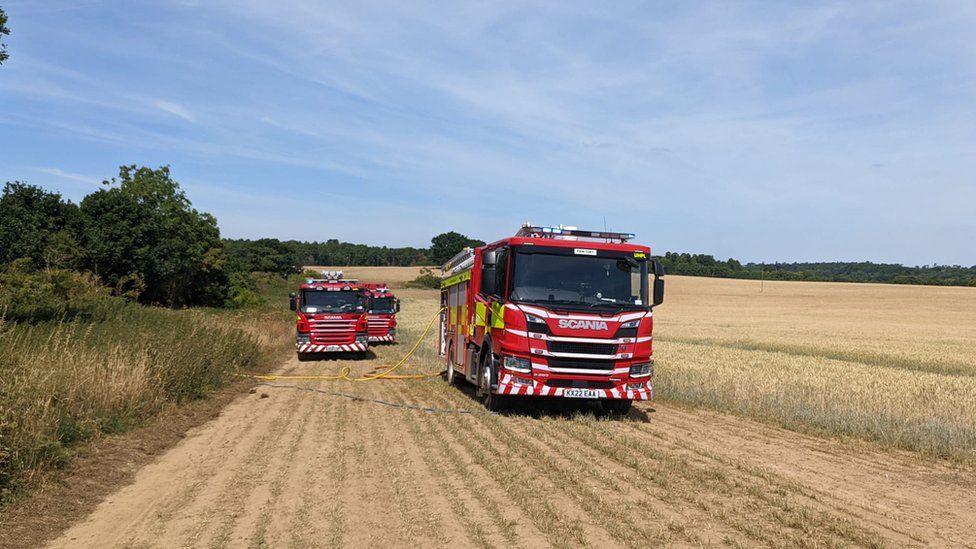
x=396, y=277
x=709, y=463
x=893, y=364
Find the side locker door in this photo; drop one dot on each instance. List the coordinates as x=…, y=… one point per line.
x=452, y=316
x=462, y=322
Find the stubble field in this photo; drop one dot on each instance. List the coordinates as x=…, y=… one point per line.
x=814, y=415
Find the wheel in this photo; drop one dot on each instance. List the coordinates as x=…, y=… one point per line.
x=616, y=407
x=493, y=402
x=304, y=357
x=451, y=377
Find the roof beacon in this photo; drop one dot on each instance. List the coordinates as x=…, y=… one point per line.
x=563, y=232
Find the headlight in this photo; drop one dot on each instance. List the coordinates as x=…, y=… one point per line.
x=304, y=338
x=392, y=331
x=517, y=364
x=536, y=324
x=631, y=324
x=362, y=338
x=642, y=370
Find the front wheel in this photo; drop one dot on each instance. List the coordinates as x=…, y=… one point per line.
x=493, y=402
x=616, y=407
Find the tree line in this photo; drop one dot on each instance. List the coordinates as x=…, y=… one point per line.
x=140, y=237
x=285, y=257
x=837, y=271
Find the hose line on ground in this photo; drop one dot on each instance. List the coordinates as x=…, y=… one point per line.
x=344, y=373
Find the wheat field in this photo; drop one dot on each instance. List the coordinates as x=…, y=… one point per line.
x=395, y=277
x=891, y=364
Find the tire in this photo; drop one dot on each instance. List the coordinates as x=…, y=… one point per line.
x=487, y=375
x=452, y=378
x=617, y=408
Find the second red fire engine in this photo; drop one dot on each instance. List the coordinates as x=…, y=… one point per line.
x=383, y=307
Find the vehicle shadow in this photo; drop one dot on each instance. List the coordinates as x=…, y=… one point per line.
x=543, y=407
x=337, y=357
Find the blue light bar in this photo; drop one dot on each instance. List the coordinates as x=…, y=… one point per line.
x=533, y=230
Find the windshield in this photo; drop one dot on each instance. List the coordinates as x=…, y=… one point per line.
x=332, y=302
x=579, y=281
x=381, y=305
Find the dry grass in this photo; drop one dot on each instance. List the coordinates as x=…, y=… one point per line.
x=64, y=382
x=892, y=364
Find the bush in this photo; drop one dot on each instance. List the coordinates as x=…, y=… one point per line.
x=427, y=279
x=27, y=296
x=242, y=292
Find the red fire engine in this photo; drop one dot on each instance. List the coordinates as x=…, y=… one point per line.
x=383, y=307
x=552, y=312
x=332, y=316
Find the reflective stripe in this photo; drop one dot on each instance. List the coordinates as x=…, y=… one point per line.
x=497, y=315
x=456, y=279
x=480, y=312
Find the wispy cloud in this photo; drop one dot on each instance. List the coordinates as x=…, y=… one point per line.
x=73, y=177
x=175, y=110
x=737, y=129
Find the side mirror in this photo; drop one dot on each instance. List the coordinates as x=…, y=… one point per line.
x=658, y=268
x=488, y=279
x=488, y=260
x=396, y=306
x=658, y=291
x=292, y=304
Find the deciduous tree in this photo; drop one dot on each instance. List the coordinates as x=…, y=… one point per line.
x=142, y=226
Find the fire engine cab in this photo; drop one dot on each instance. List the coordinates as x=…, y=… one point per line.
x=332, y=316
x=383, y=307
x=552, y=312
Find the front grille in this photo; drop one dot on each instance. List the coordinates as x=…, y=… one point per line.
x=333, y=331
x=580, y=384
x=582, y=348
x=581, y=363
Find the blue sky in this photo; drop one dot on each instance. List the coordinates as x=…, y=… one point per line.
x=762, y=131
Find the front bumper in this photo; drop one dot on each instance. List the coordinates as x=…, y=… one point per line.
x=334, y=348
x=532, y=387
x=382, y=339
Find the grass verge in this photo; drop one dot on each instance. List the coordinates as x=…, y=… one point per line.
x=63, y=382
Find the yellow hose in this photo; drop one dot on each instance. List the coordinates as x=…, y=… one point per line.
x=386, y=374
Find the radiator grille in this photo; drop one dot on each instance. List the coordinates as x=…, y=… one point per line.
x=580, y=364
x=582, y=348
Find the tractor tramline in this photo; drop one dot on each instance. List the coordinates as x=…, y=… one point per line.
x=332, y=316
x=552, y=312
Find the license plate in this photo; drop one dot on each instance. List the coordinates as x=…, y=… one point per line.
x=331, y=348
x=580, y=393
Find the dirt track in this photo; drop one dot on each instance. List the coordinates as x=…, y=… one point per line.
x=308, y=469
